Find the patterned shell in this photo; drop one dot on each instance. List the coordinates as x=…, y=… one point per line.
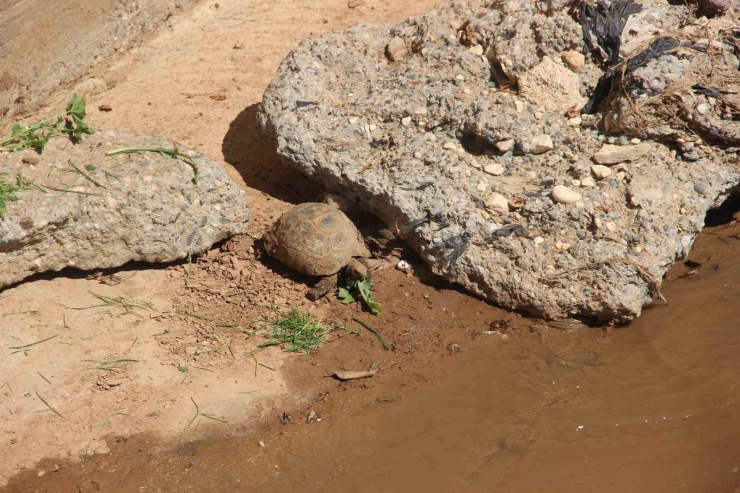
x=316, y=239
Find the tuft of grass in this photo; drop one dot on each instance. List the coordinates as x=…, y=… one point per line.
x=296, y=332
x=128, y=305
x=205, y=415
x=170, y=153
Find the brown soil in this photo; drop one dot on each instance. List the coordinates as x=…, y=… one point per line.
x=470, y=398
x=519, y=407
x=229, y=49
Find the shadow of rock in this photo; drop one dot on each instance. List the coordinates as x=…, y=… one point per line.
x=257, y=160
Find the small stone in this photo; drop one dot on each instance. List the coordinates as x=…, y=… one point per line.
x=261, y=443
x=637, y=249
x=505, y=145
x=541, y=144
x=494, y=169
x=406, y=121
x=623, y=141
x=418, y=155
x=353, y=120
x=449, y=146
x=702, y=108
x=538, y=115
x=565, y=195
x=574, y=60
x=613, y=154
x=539, y=240
x=611, y=226
x=576, y=183
x=476, y=50
x=600, y=171
x=519, y=105
x=459, y=77
x=420, y=110
x=531, y=175
x=635, y=141
x=496, y=202
x=575, y=122
x=397, y=50
x=373, y=127
x=588, y=182
x=550, y=86
x=510, y=7
x=701, y=189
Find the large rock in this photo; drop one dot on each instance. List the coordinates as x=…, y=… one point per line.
x=144, y=207
x=412, y=140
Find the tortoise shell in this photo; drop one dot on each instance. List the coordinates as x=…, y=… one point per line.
x=315, y=239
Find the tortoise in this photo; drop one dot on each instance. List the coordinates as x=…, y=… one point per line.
x=318, y=240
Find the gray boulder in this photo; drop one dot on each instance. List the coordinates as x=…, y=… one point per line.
x=438, y=142
x=111, y=209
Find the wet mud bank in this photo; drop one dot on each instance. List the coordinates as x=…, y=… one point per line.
x=521, y=406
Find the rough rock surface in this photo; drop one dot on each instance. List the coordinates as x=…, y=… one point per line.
x=144, y=207
x=412, y=140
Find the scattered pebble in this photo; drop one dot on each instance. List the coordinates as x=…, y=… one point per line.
x=353, y=120
x=565, y=195
x=505, y=145
x=539, y=240
x=494, y=169
x=261, y=443
x=600, y=171
x=450, y=146
x=541, y=144
x=574, y=60
x=588, y=182
x=496, y=202
x=406, y=121
x=519, y=105
x=403, y=266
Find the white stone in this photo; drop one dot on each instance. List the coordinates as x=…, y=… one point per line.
x=551, y=86
x=420, y=110
x=450, y=146
x=518, y=105
x=600, y=171
x=575, y=122
x=565, y=195
x=539, y=240
x=496, y=202
x=494, y=169
x=476, y=50
x=406, y=121
x=505, y=145
x=353, y=120
x=541, y=144
x=588, y=182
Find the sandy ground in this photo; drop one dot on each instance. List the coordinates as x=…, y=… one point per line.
x=228, y=49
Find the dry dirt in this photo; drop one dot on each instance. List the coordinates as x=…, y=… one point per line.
x=198, y=83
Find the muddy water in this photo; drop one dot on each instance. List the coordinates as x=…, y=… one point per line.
x=652, y=407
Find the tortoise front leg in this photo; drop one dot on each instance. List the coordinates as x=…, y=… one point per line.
x=321, y=288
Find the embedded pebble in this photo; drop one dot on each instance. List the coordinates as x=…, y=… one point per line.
x=565, y=195
x=539, y=240
x=396, y=50
x=701, y=189
x=574, y=60
x=588, y=182
x=476, y=50
x=353, y=120
x=450, y=146
x=613, y=154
